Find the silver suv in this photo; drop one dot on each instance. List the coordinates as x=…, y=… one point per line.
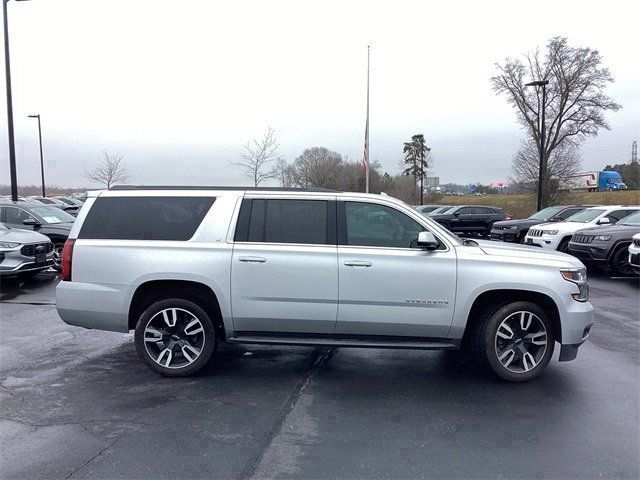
x=187, y=268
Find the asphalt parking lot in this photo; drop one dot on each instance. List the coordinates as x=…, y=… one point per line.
x=78, y=403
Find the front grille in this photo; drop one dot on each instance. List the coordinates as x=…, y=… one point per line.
x=636, y=242
x=579, y=238
x=35, y=248
x=535, y=233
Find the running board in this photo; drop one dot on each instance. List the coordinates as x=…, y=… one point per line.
x=350, y=341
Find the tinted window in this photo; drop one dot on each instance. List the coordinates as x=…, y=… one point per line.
x=372, y=225
x=465, y=211
x=284, y=221
x=145, y=218
x=619, y=214
x=633, y=219
x=484, y=210
x=568, y=212
x=15, y=215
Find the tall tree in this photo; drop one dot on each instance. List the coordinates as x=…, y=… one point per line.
x=110, y=170
x=285, y=173
x=575, y=102
x=416, y=160
x=318, y=167
x=258, y=157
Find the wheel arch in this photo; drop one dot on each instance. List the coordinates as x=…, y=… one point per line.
x=503, y=296
x=154, y=290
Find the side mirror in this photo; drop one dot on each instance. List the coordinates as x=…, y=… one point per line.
x=427, y=241
x=32, y=222
x=604, y=221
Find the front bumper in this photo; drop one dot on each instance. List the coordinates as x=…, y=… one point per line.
x=512, y=236
x=548, y=242
x=12, y=262
x=590, y=252
x=576, y=320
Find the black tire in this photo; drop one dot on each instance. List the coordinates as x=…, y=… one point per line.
x=620, y=262
x=563, y=246
x=175, y=339
x=485, y=342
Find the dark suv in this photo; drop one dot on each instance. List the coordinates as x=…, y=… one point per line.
x=470, y=218
x=516, y=230
x=607, y=246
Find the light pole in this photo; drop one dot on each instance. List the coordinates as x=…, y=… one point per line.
x=7, y=69
x=543, y=166
x=41, y=158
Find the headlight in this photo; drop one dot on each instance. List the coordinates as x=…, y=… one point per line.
x=8, y=245
x=579, y=277
x=514, y=227
x=550, y=232
x=602, y=238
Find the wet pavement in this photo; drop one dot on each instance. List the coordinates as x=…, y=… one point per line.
x=77, y=403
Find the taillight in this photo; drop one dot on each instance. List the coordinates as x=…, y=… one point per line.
x=67, y=257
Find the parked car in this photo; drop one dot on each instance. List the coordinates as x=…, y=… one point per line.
x=189, y=268
x=55, y=202
x=607, y=246
x=470, y=218
x=45, y=219
x=634, y=254
x=425, y=209
x=442, y=209
x=23, y=252
x=556, y=236
x=516, y=230
x=70, y=201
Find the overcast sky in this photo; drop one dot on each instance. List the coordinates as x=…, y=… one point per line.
x=177, y=87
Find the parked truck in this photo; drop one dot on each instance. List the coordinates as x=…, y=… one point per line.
x=595, y=181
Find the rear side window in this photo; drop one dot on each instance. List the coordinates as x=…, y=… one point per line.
x=285, y=221
x=145, y=218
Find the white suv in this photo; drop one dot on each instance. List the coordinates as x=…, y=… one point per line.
x=556, y=235
x=634, y=253
x=187, y=268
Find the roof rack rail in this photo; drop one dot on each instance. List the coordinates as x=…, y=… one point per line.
x=213, y=187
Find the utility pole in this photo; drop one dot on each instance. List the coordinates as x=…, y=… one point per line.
x=543, y=164
x=41, y=158
x=366, y=131
x=7, y=69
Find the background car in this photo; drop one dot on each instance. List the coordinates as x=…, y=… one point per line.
x=516, y=230
x=607, y=246
x=424, y=209
x=470, y=218
x=441, y=209
x=45, y=219
x=556, y=236
x=55, y=202
x=24, y=252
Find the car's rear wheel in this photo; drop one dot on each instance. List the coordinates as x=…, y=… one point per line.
x=515, y=341
x=175, y=337
x=620, y=262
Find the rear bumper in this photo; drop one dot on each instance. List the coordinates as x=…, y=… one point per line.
x=90, y=305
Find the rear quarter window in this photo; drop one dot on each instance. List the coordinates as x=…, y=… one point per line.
x=145, y=218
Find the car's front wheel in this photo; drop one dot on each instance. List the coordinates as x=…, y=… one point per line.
x=175, y=337
x=515, y=340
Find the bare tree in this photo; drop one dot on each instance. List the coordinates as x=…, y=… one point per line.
x=110, y=170
x=318, y=167
x=575, y=103
x=258, y=157
x=285, y=173
x=563, y=162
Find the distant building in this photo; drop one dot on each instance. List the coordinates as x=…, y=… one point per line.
x=432, y=184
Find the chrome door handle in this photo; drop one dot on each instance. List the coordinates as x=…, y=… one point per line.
x=252, y=259
x=357, y=263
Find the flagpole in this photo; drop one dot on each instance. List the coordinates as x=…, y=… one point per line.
x=366, y=140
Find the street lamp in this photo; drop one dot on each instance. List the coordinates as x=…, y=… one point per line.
x=41, y=158
x=7, y=69
x=543, y=84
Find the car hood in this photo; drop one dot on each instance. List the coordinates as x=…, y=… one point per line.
x=21, y=236
x=564, y=227
x=523, y=222
x=531, y=254
x=628, y=230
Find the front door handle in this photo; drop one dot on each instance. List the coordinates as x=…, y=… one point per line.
x=252, y=259
x=357, y=263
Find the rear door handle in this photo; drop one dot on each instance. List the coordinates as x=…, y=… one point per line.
x=357, y=263
x=252, y=259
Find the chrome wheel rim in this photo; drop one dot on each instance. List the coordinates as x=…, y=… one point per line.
x=521, y=342
x=57, y=255
x=174, y=338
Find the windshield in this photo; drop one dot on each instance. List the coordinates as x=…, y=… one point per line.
x=633, y=220
x=52, y=214
x=586, y=215
x=546, y=213
x=443, y=210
